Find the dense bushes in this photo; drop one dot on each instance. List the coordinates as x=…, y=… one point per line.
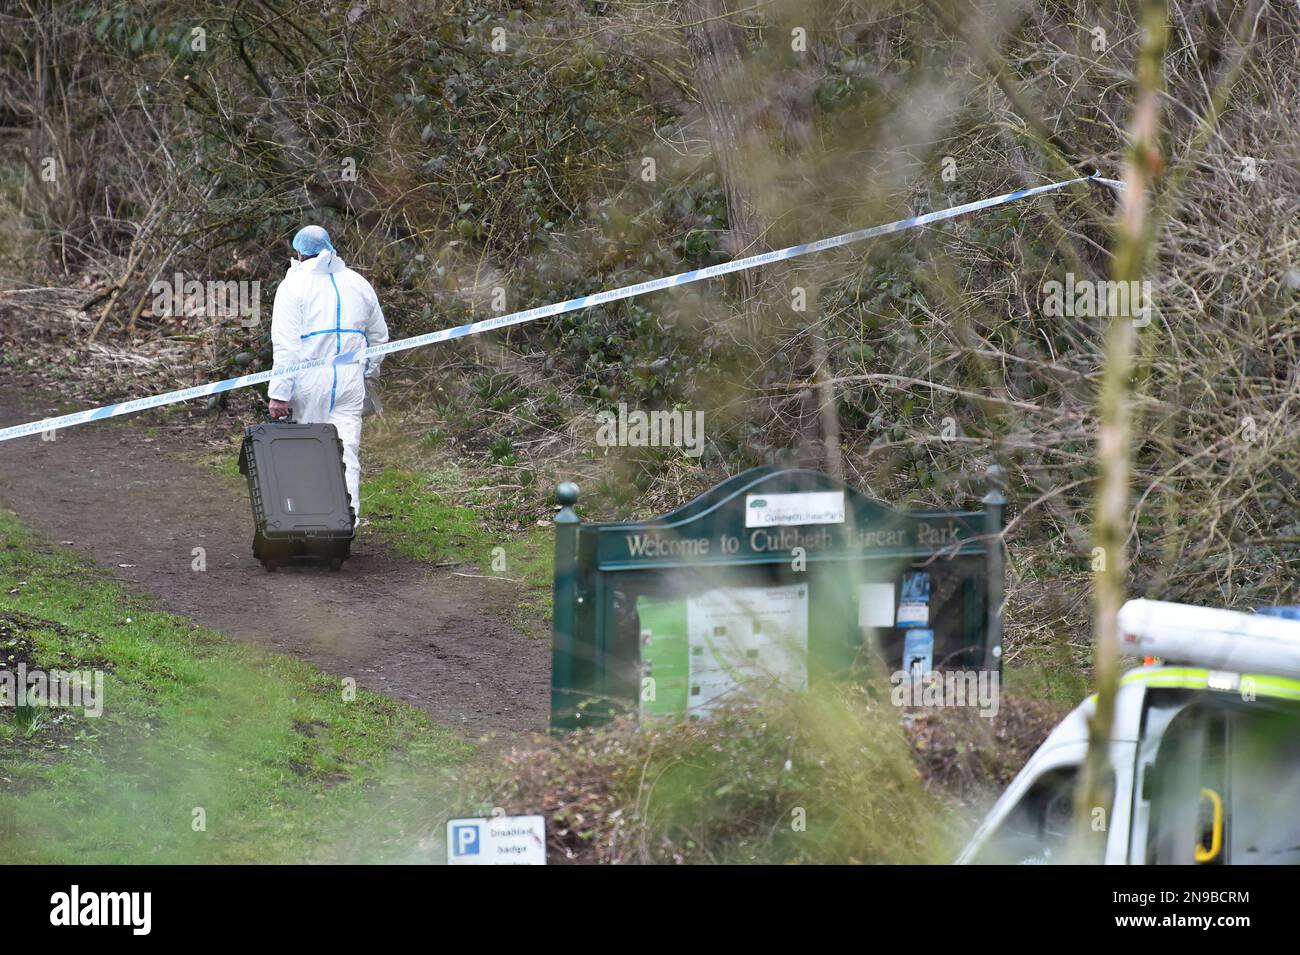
x=500, y=155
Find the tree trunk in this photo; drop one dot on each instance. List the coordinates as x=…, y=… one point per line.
x=717, y=47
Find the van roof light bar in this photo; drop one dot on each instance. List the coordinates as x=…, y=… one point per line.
x=1211, y=637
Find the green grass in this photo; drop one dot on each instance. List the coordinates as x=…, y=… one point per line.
x=420, y=523
x=1048, y=681
x=414, y=513
x=283, y=767
x=228, y=466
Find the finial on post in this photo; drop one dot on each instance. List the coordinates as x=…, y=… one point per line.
x=567, y=494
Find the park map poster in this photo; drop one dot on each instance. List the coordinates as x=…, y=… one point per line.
x=697, y=651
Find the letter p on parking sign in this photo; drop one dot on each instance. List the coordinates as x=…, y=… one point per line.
x=465, y=839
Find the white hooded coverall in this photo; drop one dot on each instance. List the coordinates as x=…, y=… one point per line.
x=323, y=309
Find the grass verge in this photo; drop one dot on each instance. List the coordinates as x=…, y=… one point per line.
x=423, y=516
x=207, y=750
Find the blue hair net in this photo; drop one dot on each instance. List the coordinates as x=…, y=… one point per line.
x=312, y=240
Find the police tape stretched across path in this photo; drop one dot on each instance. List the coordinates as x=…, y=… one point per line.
x=532, y=314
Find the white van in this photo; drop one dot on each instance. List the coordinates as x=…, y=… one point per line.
x=1203, y=760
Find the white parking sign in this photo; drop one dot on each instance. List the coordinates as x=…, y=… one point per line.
x=497, y=840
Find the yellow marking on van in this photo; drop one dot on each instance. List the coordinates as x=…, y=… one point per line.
x=1191, y=678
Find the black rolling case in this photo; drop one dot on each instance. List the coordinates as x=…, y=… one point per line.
x=300, y=502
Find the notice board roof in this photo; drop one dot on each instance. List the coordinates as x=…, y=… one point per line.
x=759, y=515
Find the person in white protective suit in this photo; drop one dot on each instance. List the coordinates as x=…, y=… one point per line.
x=323, y=309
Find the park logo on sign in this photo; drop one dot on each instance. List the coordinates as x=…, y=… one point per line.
x=497, y=840
x=779, y=510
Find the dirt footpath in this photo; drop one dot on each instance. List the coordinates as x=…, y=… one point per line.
x=139, y=507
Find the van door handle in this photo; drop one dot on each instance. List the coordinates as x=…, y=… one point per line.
x=1204, y=855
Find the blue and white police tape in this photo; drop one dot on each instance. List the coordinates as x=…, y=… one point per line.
x=532, y=314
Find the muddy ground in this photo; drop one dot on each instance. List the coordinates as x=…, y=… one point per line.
x=132, y=494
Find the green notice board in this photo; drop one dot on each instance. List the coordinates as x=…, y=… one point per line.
x=782, y=576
